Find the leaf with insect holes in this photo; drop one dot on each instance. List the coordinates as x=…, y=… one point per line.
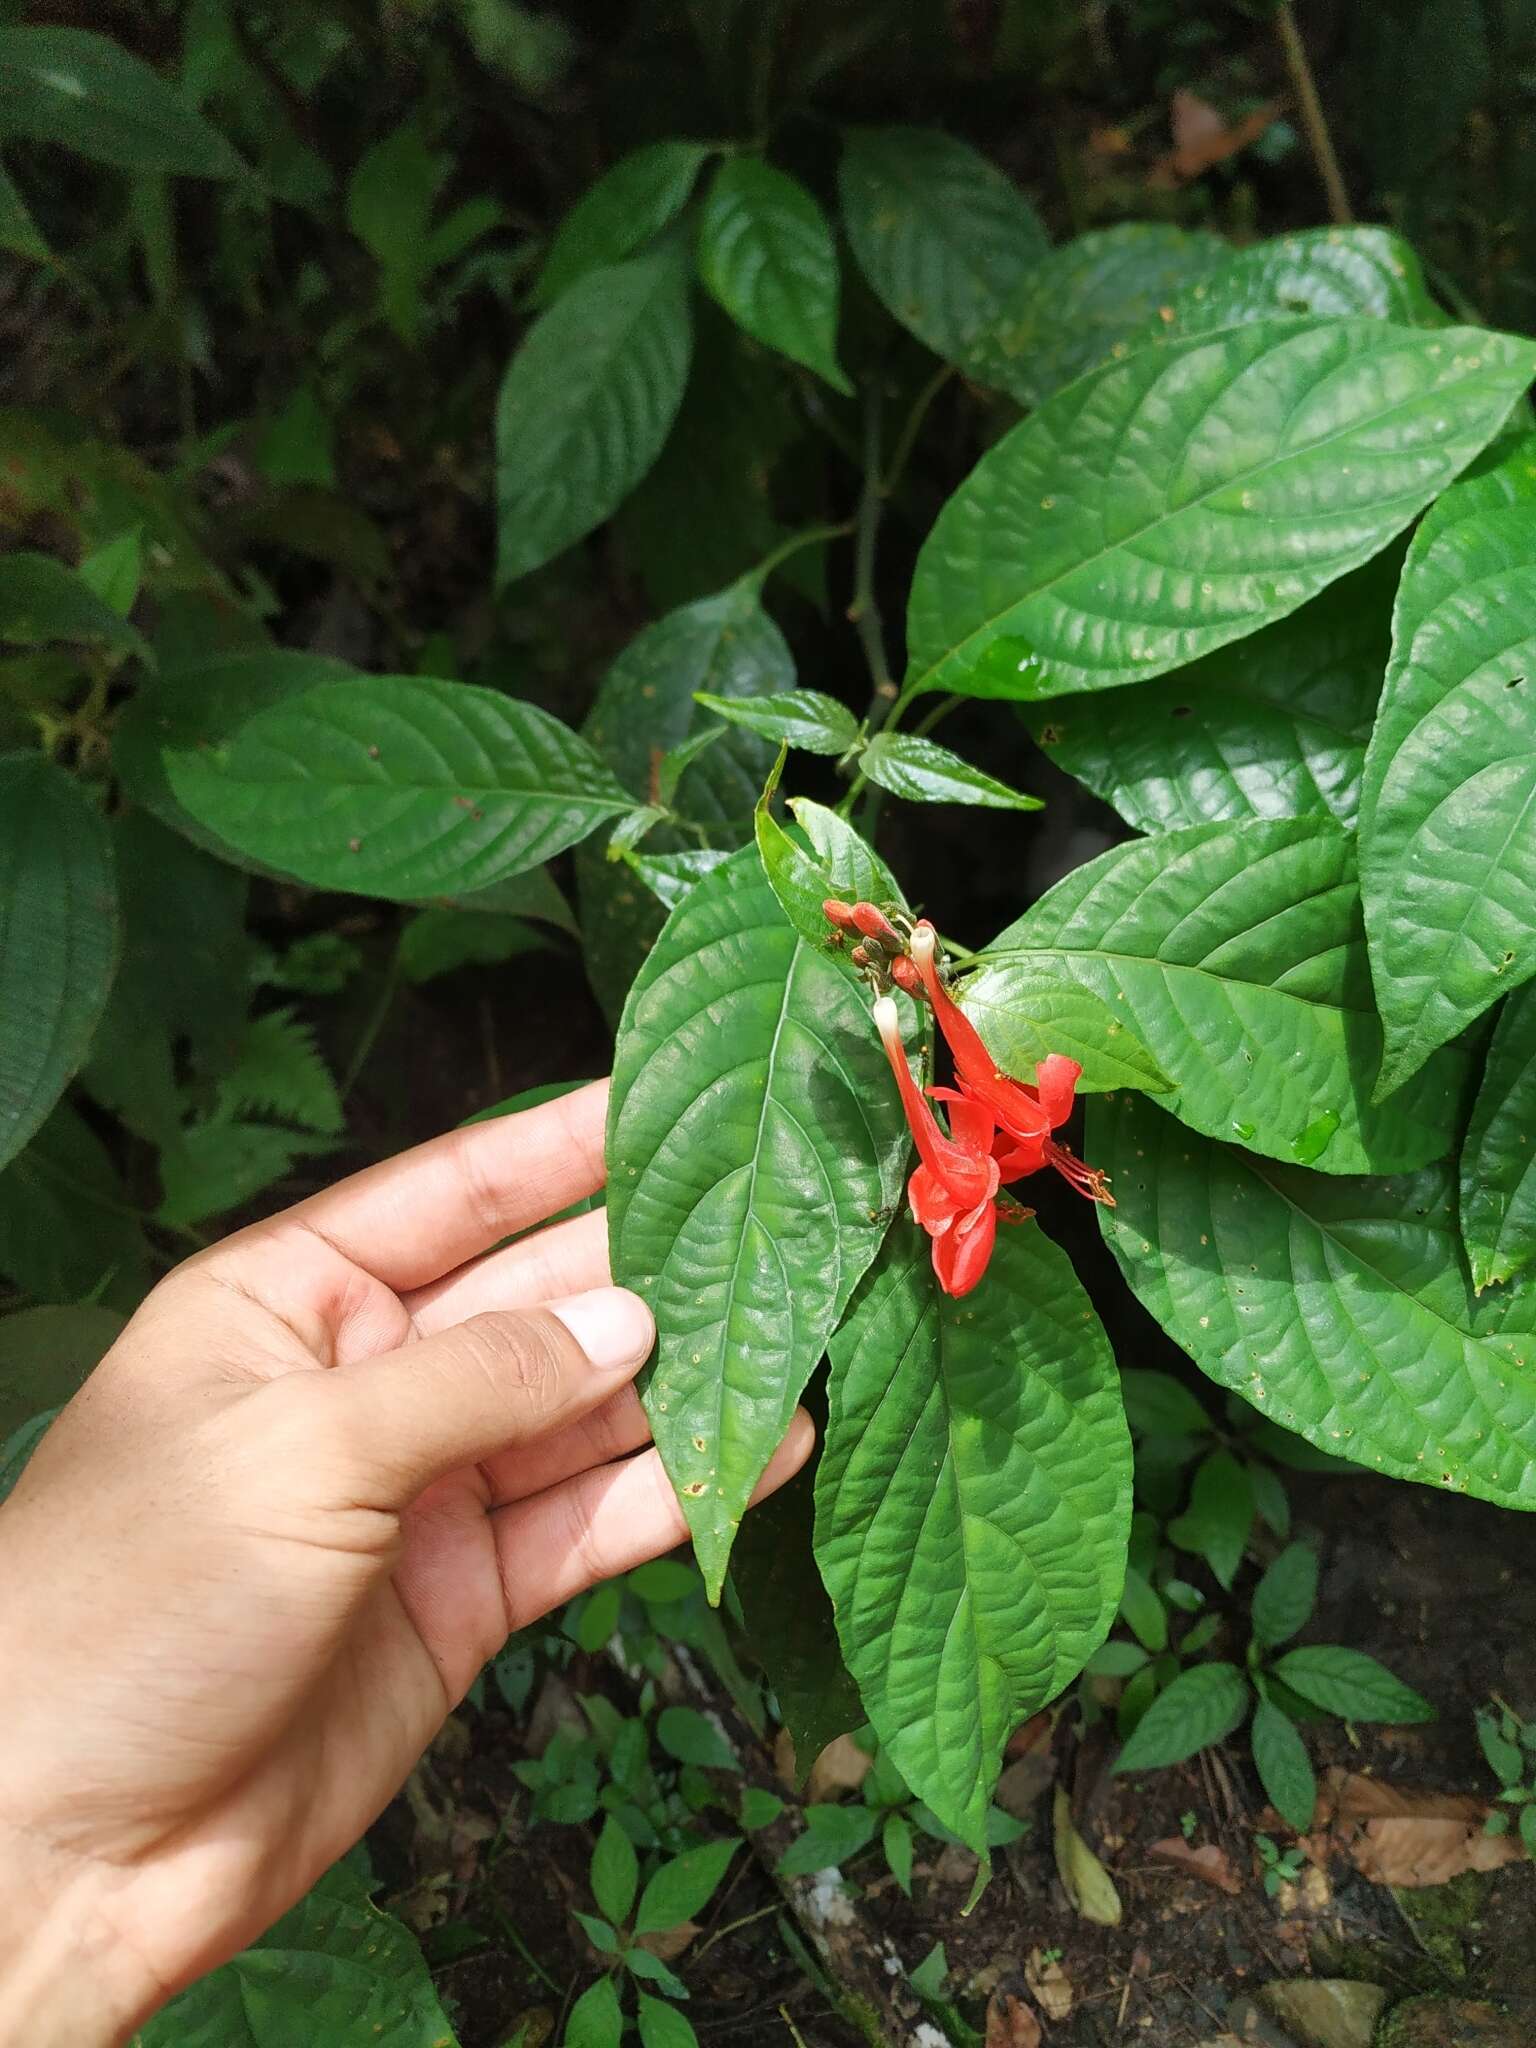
x=1199, y=1707
x=1284, y=1768
x=916, y=768
x=1274, y=726
x=1498, y=1163
x=801, y=718
x=87, y=93
x=1338, y=1307
x=1236, y=956
x=398, y=786
x=1284, y=1598
x=767, y=256
x=944, y=238
x=1448, y=806
x=744, y=1048
x=972, y=1503
x=587, y=402
x=1351, y=1684
x=1081, y=304
x=1325, y=273
x=632, y=201
x=58, y=938
x=1216, y=485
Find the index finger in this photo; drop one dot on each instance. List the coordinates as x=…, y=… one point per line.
x=411, y=1219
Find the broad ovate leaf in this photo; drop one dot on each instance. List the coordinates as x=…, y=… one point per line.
x=806, y=719
x=86, y=92
x=1179, y=499
x=586, y=404
x=1338, y=1307
x=755, y=1153
x=398, y=786
x=944, y=238
x=1199, y=1707
x=1235, y=954
x=1326, y=273
x=627, y=206
x=766, y=255
x=972, y=1506
x=1274, y=726
x=58, y=938
x=1498, y=1158
x=1448, y=807
x=926, y=773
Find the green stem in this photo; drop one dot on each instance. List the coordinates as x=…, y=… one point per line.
x=812, y=536
x=731, y=1926
x=864, y=611
x=940, y=711
x=370, y=1036
x=504, y=1924
x=907, y=439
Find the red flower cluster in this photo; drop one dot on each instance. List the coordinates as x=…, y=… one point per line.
x=999, y=1129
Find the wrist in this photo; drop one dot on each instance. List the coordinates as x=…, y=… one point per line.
x=66, y=1978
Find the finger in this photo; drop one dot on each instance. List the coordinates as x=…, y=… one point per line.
x=567, y=1258
x=411, y=1219
x=620, y=1426
x=390, y=1426
x=607, y=1521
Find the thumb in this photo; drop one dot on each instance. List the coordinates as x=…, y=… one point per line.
x=494, y=1380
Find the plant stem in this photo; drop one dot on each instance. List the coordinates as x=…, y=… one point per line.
x=373, y=1026
x=504, y=1924
x=913, y=427
x=810, y=537
x=731, y=1926
x=1313, y=119
x=864, y=611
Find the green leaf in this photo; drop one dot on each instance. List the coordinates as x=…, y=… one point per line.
x=766, y=255
x=803, y=718
x=670, y=876
x=1116, y=1659
x=58, y=938
x=739, y=1037
x=972, y=1500
x=586, y=403
x=641, y=1963
x=944, y=238
x=19, y=233
x=896, y=1840
x=686, y=1734
x=598, y=1932
x=1506, y=1760
x=595, y=2020
x=662, y=2025
x=41, y=600
x=397, y=786
x=1199, y=1708
x=1337, y=1306
x=681, y=1889
x=1086, y=300
x=438, y=942
x=832, y=1835
x=1498, y=1166
x=1143, y=1612
x=17, y=1450
x=912, y=767
x=1273, y=726
x=1167, y=504
x=927, y=1980
x=1270, y=1500
x=278, y=1072
x=857, y=870
x=1284, y=1768
x=615, y=1872
x=630, y=203
x=45, y=1353
x=759, y=1809
x=1349, y=1683
x=1156, y=1404
x=663, y=1581
x=789, y=1622
x=1447, y=846
x=1235, y=954
x=1284, y=1598
x=84, y=91
x=115, y=570
x=1062, y=1017
x=676, y=762
x=1324, y=273
x=218, y=1166
x=1217, y=1522
x=333, y=1971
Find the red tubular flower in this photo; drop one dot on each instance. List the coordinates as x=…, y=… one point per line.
x=953, y=1192
x=840, y=914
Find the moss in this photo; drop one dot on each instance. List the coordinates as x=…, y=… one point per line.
x=1444, y=1916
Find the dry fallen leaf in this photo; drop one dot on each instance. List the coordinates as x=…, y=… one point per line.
x=1405, y=1837
x=670, y=1942
x=1201, y=137
x=841, y=1767
x=1010, y=2022
x=1050, y=1985
x=1210, y=1861
x=1088, y=1885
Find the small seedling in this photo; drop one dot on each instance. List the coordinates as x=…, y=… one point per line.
x=1281, y=1866
x=1509, y=1743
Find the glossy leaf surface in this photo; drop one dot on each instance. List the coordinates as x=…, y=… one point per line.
x=1338, y=1308
x=1498, y=1159
x=1325, y=273
x=973, y=1500
x=1235, y=954
x=1201, y=1706
x=806, y=719
x=766, y=255
x=755, y=1150
x=630, y=203
x=920, y=770
x=1177, y=500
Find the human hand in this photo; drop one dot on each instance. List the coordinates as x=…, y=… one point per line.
x=325, y=1470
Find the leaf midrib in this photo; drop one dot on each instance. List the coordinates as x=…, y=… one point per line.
x=990, y=626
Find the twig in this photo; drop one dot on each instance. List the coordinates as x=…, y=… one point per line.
x=1313, y=119
x=808, y=538
x=864, y=611
x=913, y=427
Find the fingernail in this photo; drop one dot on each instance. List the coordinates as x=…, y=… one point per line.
x=612, y=1326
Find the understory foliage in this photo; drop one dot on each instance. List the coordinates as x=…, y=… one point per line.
x=398, y=545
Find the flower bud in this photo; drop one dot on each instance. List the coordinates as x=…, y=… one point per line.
x=906, y=977
x=874, y=924
x=840, y=914
x=861, y=957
